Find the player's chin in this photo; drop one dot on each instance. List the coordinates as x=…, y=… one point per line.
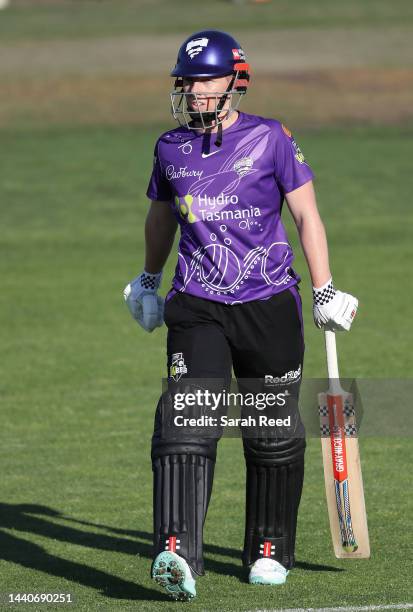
x=196, y=108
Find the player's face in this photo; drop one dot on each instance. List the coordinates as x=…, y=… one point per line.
x=204, y=90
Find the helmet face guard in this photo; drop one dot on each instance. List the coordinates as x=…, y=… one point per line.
x=212, y=54
x=211, y=117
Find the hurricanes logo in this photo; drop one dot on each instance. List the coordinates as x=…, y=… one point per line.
x=243, y=166
x=183, y=206
x=178, y=367
x=194, y=47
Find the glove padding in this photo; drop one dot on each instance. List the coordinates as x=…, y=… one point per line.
x=144, y=304
x=332, y=309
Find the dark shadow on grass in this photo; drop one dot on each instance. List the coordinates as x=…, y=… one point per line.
x=22, y=518
x=234, y=570
x=316, y=567
x=27, y=554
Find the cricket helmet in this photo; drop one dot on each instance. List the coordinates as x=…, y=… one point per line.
x=209, y=54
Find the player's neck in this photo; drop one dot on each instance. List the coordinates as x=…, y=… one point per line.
x=228, y=121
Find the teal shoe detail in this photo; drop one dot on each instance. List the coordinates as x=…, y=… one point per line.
x=173, y=573
x=267, y=571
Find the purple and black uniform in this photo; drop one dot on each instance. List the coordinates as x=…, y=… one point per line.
x=234, y=304
x=228, y=201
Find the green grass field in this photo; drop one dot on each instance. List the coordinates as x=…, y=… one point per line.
x=79, y=381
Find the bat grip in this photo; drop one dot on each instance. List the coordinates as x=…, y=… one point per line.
x=332, y=363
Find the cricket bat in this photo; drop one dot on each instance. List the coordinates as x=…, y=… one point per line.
x=341, y=461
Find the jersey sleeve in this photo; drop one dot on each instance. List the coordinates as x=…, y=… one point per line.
x=159, y=187
x=291, y=168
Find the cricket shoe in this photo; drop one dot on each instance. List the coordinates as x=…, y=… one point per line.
x=267, y=571
x=173, y=573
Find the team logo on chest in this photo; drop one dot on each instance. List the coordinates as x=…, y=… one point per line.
x=243, y=166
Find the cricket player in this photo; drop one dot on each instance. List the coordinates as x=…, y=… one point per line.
x=222, y=177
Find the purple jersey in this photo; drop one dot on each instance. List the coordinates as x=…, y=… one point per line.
x=233, y=246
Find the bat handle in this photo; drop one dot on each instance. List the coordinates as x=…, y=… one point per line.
x=332, y=363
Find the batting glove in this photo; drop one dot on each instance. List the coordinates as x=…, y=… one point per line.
x=333, y=309
x=145, y=305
